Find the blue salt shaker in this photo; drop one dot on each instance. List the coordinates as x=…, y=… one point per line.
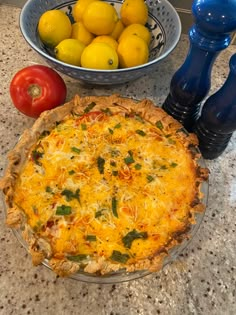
x=217, y=122
x=215, y=20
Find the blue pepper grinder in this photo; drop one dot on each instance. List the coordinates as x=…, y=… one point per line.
x=217, y=122
x=215, y=20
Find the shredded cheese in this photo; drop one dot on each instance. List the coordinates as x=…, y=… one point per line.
x=135, y=188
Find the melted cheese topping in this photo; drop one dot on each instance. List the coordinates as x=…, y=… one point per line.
x=107, y=186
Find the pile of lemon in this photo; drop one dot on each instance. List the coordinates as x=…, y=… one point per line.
x=100, y=38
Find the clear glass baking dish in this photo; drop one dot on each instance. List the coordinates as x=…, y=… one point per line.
x=123, y=276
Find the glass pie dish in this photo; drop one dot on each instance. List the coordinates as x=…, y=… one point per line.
x=122, y=275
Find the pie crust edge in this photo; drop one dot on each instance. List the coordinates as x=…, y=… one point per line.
x=38, y=247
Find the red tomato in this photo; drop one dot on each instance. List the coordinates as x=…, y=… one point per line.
x=37, y=88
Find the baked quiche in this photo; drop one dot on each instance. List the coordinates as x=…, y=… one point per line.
x=103, y=183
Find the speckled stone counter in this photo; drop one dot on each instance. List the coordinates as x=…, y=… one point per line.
x=201, y=281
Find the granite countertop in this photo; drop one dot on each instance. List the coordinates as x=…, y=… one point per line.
x=201, y=281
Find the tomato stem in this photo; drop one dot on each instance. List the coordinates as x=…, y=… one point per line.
x=34, y=90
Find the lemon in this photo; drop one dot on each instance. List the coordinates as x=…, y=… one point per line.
x=118, y=29
x=69, y=51
x=53, y=27
x=80, y=32
x=100, y=18
x=132, y=51
x=134, y=11
x=79, y=7
x=136, y=29
x=106, y=39
x=99, y=56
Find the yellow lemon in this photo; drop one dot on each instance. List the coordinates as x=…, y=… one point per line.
x=53, y=27
x=99, y=56
x=134, y=11
x=132, y=51
x=79, y=7
x=80, y=32
x=118, y=29
x=106, y=39
x=136, y=29
x=69, y=51
x=100, y=18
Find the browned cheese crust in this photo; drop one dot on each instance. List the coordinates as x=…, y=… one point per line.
x=39, y=247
